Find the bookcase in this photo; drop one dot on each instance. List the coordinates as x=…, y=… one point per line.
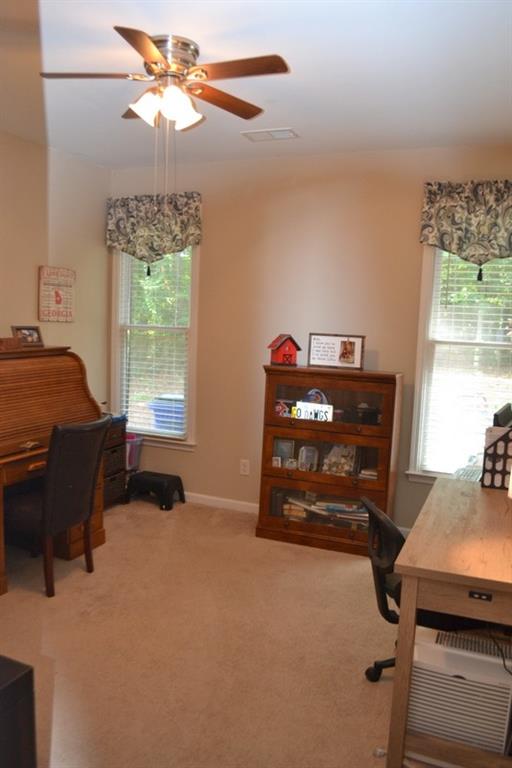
x=330, y=436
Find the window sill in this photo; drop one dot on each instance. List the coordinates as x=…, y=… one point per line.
x=169, y=443
x=428, y=478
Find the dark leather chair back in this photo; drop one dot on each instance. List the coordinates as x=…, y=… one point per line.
x=384, y=544
x=74, y=459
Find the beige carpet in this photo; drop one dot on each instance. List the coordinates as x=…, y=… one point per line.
x=196, y=645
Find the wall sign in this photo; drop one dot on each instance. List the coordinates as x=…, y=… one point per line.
x=56, y=294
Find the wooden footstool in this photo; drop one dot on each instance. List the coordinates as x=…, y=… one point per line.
x=163, y=486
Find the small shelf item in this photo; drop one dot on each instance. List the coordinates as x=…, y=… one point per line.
x=497, y=466
x=308, y=458
x=315, y=470
x=283, y=350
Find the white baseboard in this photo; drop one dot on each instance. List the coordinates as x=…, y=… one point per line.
x=214, y=501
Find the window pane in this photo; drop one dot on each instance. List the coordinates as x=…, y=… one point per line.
x=155, y=370
x=163, y=298
x=468, y=375
x=465, y=309
x=466, y=386
x=154, y=333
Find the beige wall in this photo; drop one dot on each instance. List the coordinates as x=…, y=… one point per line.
x=326, y=244
x=52, y=211
x=77, y=203
x=323, y=244
x=24, y=227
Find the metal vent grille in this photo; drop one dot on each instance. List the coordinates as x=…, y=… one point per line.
x=458, y=709
x=476, y=644
x=270, y=134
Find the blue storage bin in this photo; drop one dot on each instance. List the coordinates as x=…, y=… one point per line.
x=169, y=413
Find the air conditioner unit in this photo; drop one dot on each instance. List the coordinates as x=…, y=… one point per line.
x=460, y=690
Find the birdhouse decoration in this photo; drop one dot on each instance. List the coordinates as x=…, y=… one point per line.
x=284, y=350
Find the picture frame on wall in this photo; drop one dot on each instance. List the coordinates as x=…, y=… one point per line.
x=335, y=350
x=29, y=335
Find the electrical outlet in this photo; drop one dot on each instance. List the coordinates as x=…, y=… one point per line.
x=244, y=467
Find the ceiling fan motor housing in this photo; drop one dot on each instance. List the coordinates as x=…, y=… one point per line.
x=180, y=52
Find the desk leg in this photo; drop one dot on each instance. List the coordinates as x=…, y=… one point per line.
x=3, y=575
x=404, y=658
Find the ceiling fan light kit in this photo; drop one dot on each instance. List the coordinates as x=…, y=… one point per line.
x=171, y=102
x=177, y=106
x=170, y=62
x=147, y=106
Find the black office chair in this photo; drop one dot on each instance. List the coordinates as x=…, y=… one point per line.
x=385, y=541
x=36, y=512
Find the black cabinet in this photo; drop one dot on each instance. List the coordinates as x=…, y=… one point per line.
x=17, y=716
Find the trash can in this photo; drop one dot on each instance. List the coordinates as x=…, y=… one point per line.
x=133, y=449
x=169, y=412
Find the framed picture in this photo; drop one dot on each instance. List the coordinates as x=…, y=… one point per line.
x=29, y=335
x=336, y=350
x=284, y=449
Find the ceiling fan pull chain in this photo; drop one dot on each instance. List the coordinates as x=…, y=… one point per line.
x=166, y=183
x=155, y=165
x=174, y=159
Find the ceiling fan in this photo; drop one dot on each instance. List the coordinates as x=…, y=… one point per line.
x=171, y=65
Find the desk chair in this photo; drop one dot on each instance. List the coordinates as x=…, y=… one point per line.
x=385, y=541
x=35, y=513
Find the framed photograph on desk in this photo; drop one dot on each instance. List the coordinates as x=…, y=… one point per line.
x=29, y=335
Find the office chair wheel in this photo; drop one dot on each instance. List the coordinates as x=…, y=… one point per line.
x=373, y=674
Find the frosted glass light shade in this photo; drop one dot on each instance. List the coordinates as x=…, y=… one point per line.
x=177, y=106
x=147, y=107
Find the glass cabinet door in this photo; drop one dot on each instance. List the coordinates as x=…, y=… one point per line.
x=349, y=460
x=358, y=407
x=320, y=510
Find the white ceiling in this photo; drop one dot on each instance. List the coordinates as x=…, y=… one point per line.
x=364, y=75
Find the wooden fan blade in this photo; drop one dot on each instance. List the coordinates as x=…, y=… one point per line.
x=87, y=75
x=222, y=70
x=130, y=114
x=144, y=45
x=224, y=100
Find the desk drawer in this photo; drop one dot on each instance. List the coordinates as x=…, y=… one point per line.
x=116, y=435
x=114, y=489
x=456, y=599
x=76, y=533
x=24, y=470
x=114, y=460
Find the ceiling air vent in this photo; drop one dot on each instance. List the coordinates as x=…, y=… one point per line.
x=270, y=134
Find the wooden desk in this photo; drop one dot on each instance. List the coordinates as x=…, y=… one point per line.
x=461, y=541
x=40, y=388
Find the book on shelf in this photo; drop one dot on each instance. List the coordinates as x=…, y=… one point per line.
x=343, y=510
x=342, y=506
x=290, y=509
x=370, y=474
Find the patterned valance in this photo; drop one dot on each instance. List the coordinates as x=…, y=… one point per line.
x=149, y=226
x=472, y=220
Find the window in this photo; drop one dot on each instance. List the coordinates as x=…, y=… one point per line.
x=153, y=344
x=464, y=371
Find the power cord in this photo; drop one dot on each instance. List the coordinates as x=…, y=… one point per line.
x=500, y=651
